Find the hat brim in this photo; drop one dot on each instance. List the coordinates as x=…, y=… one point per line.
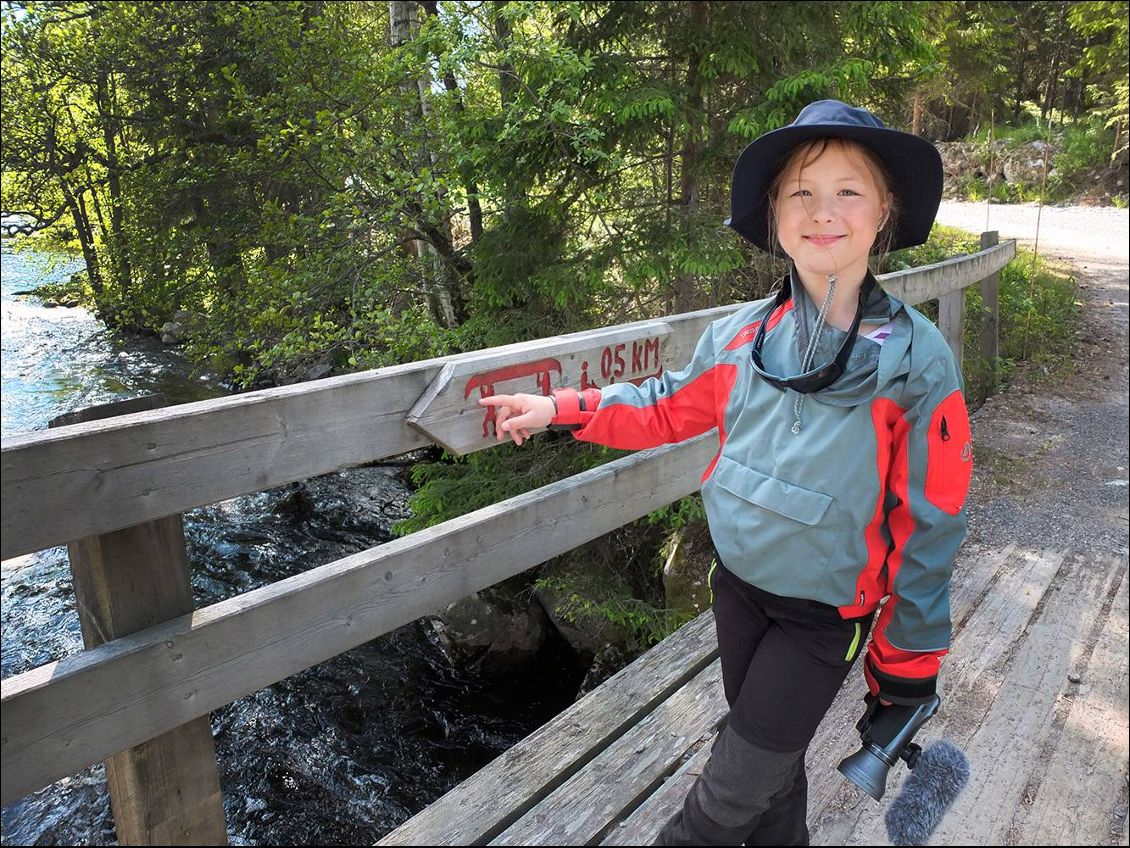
x=913, y=164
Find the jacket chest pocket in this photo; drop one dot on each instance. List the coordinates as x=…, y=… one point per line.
x=784, y=531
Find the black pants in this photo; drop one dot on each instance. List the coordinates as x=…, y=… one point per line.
x=783, y=661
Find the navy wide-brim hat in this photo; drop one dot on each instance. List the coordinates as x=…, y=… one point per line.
x=913, y=165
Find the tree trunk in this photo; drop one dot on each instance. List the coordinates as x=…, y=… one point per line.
x=224, y=256
x=85, y=235
x=690, y=154
x=443, y=285
x=1053, y=75
x=507, y=77
x=73, y=202
x=474, y=209
x=119, y=251
x=916, y=116
x=507, y=87
x=1019, y=99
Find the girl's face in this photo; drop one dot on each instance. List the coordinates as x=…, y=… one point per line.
x=829, y=213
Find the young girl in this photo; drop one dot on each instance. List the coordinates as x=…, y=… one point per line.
x=843, y=466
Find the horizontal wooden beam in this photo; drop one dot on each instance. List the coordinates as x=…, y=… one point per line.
x=63, y=716
x=491, y=800
x=929, y=282
x=87, y=479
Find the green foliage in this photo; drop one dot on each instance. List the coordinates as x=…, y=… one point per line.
x=1038, y=314
x=1083, y=152
x=580, y=599
x=679, y=514
x=1105, y=61
x=453, y=486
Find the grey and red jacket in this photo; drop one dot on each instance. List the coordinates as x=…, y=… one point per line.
x=862, y=507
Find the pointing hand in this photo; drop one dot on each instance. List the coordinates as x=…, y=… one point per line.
x=519, y=414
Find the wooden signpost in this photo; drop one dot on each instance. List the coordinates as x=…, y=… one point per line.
x=449, y=414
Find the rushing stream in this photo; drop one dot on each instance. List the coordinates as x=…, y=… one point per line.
x=338, y=754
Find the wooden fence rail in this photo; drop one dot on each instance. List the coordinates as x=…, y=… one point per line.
x=92, y=478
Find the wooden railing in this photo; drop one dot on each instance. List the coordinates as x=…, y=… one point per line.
x=98, y=480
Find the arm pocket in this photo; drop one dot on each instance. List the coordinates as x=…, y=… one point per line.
x=949, y=460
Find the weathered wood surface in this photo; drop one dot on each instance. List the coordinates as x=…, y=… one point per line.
x=989, y=333
x=951, y=321
x=1045, y=768
x=586, y=806
x=483, y=806
x=928, y=282
x=1008, y=697
x=644, y=823
x=628, y=354
x=65, y=715
x=151, y=464
x=165, y=791
x=86, y=479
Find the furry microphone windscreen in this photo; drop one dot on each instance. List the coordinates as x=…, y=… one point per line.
x=934, y=784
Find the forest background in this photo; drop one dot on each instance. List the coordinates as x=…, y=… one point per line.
x=310, y=188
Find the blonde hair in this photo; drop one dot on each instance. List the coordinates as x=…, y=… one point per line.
x=803, y=155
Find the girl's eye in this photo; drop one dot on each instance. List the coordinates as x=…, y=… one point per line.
x=849, y=191
x=801, y=193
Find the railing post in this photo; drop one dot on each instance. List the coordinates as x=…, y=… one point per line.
x=990, y=309
x=951, y=321
x=165, y=791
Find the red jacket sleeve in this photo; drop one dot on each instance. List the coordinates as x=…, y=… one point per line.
x=672, y=407
x=932, y=463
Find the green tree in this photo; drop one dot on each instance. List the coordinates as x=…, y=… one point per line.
x=1104, y=63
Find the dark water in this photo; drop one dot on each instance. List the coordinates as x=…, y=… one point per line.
x=338, y=754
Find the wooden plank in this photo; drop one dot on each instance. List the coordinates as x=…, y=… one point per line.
x=1073, y=782
x=951, y=321
x=915, y=285
x=447, y=413
x=642, y=826
x=583, y=809
x=167, y=790
x=64, y=484
x=65, y=715
x=990, y=309
x=980, y=572
x=485, y=804
x=86, y=479
x=1001, y=709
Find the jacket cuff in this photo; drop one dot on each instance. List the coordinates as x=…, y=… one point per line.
x=574, y=409
x=908, y=691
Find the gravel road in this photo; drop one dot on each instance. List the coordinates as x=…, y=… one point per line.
x=1075, y=232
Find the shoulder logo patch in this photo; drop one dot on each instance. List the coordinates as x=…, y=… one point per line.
x=744, y=336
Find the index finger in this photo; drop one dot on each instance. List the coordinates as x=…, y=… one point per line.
x=497, y=400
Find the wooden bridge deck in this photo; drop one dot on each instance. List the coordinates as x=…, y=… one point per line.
x=1036, y=679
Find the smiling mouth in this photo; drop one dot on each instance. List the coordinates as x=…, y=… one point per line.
x=823, y=240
